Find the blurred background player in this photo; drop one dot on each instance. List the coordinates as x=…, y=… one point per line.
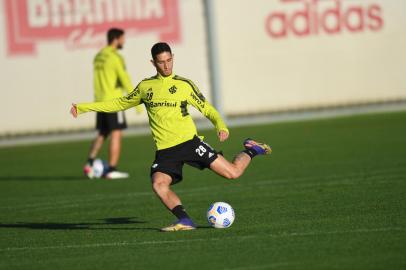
x=111, y=80
x=166, y=97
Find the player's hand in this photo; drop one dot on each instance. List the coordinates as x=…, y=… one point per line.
x=74, y=110
x=223, y=135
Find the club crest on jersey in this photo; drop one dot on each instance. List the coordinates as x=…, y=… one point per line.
x=173, y=89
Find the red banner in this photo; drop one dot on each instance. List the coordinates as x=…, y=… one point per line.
x=83, y=23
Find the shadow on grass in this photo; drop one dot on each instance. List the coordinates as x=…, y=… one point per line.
x=104, y=224
x=204, y=227
x=42, y=177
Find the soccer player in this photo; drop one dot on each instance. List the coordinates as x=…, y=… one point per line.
x=166, y=97
x=110, y=81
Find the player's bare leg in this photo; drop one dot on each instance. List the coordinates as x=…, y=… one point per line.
x=161, y=183
x=94, y=150
x=114, y=148
x=114, y=156
x=235, y=169
x=231, y=170
x=96, y=146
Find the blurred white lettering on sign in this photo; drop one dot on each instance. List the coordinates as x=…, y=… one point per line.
x=83, y=23
x=330, y=17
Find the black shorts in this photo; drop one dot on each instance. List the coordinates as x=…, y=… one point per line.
x=106, y=122
x=194, y=152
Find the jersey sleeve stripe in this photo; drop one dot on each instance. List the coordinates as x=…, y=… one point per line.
x=194, y=87
x=151, y=78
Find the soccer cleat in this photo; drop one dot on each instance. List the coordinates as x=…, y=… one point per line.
x=116, y=175
x=260, y=148
x=88, y=171
x=184, y=224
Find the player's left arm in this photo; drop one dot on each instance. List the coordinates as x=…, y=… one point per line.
x=197, y=100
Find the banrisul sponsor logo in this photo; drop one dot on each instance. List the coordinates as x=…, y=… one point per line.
x=303, y=18
x=165, y=103
x=83, y=23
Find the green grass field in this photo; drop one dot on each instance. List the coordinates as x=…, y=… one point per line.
x=331, y=196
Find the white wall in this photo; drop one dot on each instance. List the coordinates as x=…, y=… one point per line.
x=44, y=73
x=38, y=86
x=310, y=69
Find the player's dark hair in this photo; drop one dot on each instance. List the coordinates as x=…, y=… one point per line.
x=114, y=33
x=158, y=48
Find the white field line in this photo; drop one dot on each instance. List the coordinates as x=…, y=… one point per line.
x=239, y=238
x=264, y=266
x=331, y=180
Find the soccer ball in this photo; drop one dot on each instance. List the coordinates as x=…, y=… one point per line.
x=100, y=167
x=220, y=215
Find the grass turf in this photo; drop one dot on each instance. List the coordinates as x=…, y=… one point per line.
x=331, y=196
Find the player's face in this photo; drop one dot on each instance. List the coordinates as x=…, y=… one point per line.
x=120, y=42
x=164, y=63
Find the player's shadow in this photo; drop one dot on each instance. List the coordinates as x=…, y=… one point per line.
x=199, y=227
x=41, y=177
x=102, y=224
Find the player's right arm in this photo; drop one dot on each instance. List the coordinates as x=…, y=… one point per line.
x=122, y=74
x=113, y=105
x=197, y=100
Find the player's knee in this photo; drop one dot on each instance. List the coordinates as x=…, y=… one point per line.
x=235, y=175
x=232, y=174
x=158, y=185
